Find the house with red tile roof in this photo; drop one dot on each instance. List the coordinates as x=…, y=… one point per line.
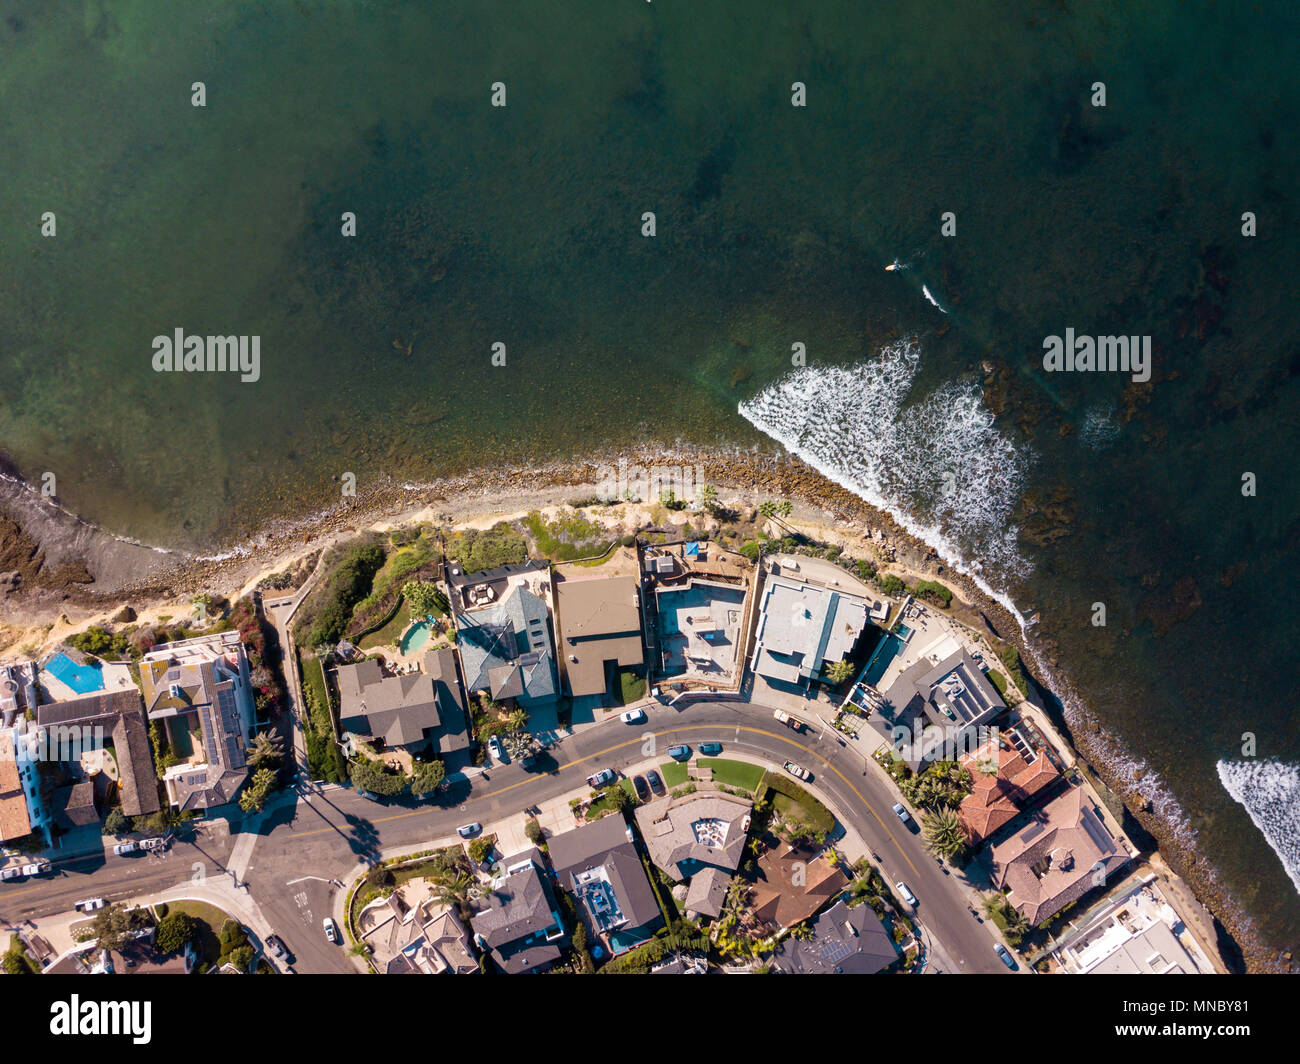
x=1007, y=775
x=1065, y=851
x=14, y=821
x=793, y=883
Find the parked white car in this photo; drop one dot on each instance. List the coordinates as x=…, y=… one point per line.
x=905, y=894
x=89, y=905
x=331, y=929
x=123, y=848
x=632, y=716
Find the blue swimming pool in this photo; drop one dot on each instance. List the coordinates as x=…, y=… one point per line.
x=416, y=636
x=81, y=678
x=886, y=651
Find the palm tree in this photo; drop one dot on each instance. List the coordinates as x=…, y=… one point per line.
x=266, y=747
x=839, y=671
x=454, y=890
x=997, y=905
x=943, y=833
x=518, y=720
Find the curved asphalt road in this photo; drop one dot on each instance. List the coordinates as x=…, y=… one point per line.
x=320, y=836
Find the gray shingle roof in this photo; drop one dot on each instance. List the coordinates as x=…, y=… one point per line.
x=604, y=844
x=405, y=710
x=515, y=920
x=844, y=942
x=706, y=828
x=707, y=892
x=120, y=714
x=506, y=649
x=75, y=805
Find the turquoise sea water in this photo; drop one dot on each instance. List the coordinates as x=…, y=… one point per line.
x=522, y=225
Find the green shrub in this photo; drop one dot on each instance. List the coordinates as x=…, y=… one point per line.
x=372, y=776
x=1010, y=657
x=934, y=593
x=479, y=550
x=175, y=931
x=892, y=585
x=117, y=822
x=329, y=608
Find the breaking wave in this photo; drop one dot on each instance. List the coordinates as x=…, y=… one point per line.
x=939, y=466
x=1270, y=793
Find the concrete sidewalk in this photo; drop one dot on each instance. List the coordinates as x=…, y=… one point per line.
x=236, y=902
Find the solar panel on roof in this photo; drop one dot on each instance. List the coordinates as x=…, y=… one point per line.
x=834, y=952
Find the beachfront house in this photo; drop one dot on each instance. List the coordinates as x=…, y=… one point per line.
x=803, y=626
x=1007, y=771
x=415, y=711
x=83, y=732
x=506, y=651
x=1064, y=851
x=935, y=708
x=199, y=694
x=599, y=622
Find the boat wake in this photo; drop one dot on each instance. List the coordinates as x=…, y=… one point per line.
x=1270, y=793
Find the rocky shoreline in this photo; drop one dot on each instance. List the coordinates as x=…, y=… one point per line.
x=65, y=566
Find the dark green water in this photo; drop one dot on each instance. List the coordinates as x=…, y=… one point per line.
x=522, y=225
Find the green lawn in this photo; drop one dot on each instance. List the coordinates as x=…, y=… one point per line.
x=631, y=686
x=390, y=633
x=210, y=919
x=674, y=773
x=313, y=681
x=794, y=803
x=734, y=773
x=601, y=804
x=999, y=681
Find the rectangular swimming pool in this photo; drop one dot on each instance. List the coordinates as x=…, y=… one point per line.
x=886, y=651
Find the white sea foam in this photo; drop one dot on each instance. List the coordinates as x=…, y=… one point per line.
x=938, y=465
x=1270, y=793
x=856, y=426
x=926, y=290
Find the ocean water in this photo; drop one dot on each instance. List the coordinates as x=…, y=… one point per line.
x=522, y=225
